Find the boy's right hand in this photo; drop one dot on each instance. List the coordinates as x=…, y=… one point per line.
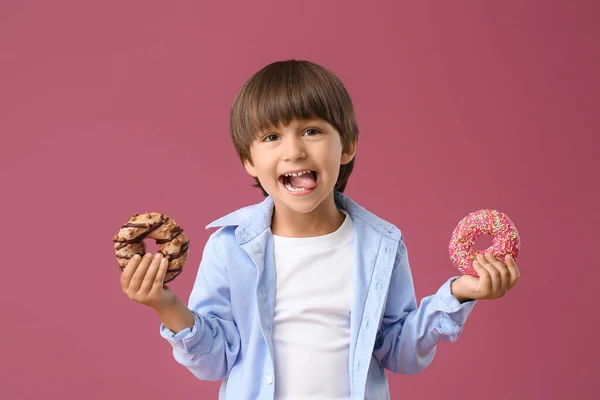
x=142, y=280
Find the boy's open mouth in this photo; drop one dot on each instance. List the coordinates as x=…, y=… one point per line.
x=299, y=181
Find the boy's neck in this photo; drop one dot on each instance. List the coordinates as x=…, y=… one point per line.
x=323, y=220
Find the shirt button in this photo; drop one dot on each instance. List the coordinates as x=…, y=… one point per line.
x=269, y=379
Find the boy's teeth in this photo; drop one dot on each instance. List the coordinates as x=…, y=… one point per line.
x=297, y=173
x=293, y=189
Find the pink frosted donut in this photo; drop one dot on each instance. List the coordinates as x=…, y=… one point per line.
x=505, y=238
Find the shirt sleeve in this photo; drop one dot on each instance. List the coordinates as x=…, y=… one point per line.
x=408, y=336
x=211, y=346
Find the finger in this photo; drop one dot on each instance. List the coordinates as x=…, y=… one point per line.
x=504, y=282
x=148, y=281
x=493, y=273
x=480, y=260
x=512, y=269
x=138, y=276
x=484, y=283
x=129, y=270
x=161, y=274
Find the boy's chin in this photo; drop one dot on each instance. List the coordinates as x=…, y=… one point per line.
x=300, y=204
x=302, y=208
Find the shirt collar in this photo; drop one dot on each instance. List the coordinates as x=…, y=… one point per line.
x=253, y=220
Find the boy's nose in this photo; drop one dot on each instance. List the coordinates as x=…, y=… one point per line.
x=294, y=149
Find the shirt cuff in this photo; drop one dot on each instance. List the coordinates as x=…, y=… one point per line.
x=448, y=304
x=187, y=338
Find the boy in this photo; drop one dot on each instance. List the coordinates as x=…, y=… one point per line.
x=306, y=295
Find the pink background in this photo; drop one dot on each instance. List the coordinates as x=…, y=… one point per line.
x=118, y=107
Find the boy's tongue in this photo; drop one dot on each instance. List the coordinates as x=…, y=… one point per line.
x=306, y=181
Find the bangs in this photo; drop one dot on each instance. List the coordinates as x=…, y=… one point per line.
x=283, y=92
x=279, y=102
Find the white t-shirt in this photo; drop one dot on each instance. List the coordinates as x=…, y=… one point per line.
x=311, y=333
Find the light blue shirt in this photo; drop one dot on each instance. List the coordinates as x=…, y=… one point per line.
x=233, y=302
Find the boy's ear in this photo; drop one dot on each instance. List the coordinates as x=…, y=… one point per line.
x=348, y=152
x=250, y=168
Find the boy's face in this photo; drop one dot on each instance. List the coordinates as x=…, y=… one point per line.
x=298, y=164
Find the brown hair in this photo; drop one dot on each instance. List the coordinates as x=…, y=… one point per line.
x=287, y=90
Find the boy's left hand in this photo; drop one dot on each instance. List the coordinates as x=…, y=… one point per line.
x=496, y=278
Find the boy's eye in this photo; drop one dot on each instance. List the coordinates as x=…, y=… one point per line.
x=270, y=137
x=311, y=132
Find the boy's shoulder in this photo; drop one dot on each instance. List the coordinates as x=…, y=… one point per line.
x=247, y=222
